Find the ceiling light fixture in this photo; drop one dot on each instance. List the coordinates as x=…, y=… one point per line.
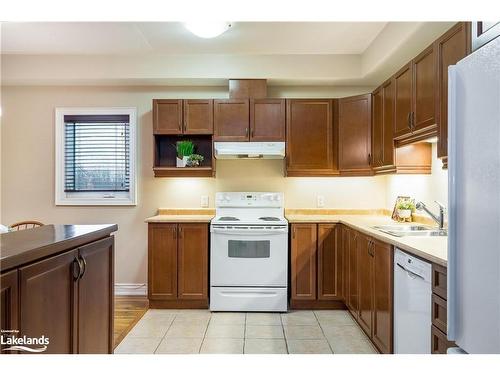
x=207, y=29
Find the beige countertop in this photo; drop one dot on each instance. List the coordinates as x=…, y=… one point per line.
x=184, y=215
x=433, y=249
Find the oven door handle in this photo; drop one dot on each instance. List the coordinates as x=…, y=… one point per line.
x=249, y=232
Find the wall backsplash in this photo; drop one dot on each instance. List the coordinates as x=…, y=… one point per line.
x=28, y=183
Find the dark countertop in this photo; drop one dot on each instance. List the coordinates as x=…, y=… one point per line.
x=25, y=246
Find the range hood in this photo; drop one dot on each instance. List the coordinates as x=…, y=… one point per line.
x=249, y=150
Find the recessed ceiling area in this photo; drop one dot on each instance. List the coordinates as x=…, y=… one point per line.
x=159, y=53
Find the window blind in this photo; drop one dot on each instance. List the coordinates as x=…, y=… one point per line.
x=97, y=153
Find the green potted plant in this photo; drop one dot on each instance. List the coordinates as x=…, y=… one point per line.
x=184, y=150
x=194, y=160
x=405, y=208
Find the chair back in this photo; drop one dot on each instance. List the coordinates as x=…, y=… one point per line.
x=28, y=224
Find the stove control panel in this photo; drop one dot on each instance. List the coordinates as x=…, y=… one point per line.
x=246, y=199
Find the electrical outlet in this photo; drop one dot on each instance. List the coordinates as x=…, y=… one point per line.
x=204, y=201
x=320, y=201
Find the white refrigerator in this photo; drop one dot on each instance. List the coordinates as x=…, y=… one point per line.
x=474, y=201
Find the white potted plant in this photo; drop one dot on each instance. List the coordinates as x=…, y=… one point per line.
x=405, y=209
x=184, y=150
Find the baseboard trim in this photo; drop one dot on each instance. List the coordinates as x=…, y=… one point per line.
x=131, y=290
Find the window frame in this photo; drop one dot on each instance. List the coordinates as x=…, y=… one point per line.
x=63, y=198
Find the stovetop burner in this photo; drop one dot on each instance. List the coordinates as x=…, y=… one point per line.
x=269, y=218
x=228, y=218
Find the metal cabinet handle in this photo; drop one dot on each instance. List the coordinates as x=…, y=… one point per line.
x=174, y=231
x=246, y=132
x=410, y=272
x=180, y=232
x=369, y=159
x=77, y=269
x=293, y=233
x=84, y=266
x=408, y=120
x=252, y=132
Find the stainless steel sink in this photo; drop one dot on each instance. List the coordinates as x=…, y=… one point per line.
x=411, y=230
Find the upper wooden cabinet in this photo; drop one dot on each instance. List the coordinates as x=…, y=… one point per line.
x=355, y=156
x=231, y=120
x=177, y=116
x=178, y=265
x=310, y=136
x=378, y=127
x=450, y=48
x=267, y=120
x=198, y=116
x=415, y=99
x=403, y=101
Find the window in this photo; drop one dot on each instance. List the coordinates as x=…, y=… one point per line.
x=95, y=156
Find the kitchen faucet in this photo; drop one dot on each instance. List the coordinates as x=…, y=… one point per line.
x=440, y=219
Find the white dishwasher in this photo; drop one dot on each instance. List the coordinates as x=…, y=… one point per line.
x=412, y=304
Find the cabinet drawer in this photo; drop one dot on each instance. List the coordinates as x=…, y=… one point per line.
x=439, y=282
x=439, y=318
x=439, y=342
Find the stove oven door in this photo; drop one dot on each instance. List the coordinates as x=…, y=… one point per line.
x=249, y=256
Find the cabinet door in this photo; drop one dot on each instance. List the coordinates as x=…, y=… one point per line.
x=193, y=261
x=355, y=135
x=403, y=101
x=267, y=120
x=9, y=303
x=424, y=89
x=382, y=296
x=48, y=300
x=365, y=280
x=378, y=127
x=162, y=261
x=309, y=135
x=167, y=116
x=231, y=120
x=95, y=298
x=439, y=342
x=388, y=123
x=450, y=48
x=198, y=116
x=352, y=296
x=303, y=270
x=329, y=262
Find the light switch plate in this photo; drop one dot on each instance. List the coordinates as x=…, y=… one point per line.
x=320, y=201
x=204, y=201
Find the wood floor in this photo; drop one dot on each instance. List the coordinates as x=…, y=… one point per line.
x=128, y=311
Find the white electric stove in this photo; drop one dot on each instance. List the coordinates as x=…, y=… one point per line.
x=249, y=253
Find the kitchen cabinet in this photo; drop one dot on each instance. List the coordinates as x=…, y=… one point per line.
x=330, y=270
x=450, y=48
x=378, y=128
x=415, y=99
x=303, y=261
x=95, y=298
x=231, y=120
x=69, y=299
x=9, y=302
x=178, y=265
x=355, y=157
x=369, y=286
x=177, y=116
x=311, y=131
x=316, y=266
x=364, y=249
x=351, y=251
x=267, y=120
x=439, y=341
x=382, y=332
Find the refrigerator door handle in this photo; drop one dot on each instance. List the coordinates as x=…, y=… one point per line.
x=452, y=261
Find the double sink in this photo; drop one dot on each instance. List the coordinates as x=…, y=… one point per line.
x=411, y=230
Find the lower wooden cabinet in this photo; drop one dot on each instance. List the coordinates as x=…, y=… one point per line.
x=369, y=286
x=439, y=342
x=67, y=298
x=316, y=266
x=178, y=265
x=9, y=302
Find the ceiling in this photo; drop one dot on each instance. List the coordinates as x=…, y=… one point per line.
x=166, y=53
x=108, y=38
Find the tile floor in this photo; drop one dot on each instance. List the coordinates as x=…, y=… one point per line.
x=200, y=331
